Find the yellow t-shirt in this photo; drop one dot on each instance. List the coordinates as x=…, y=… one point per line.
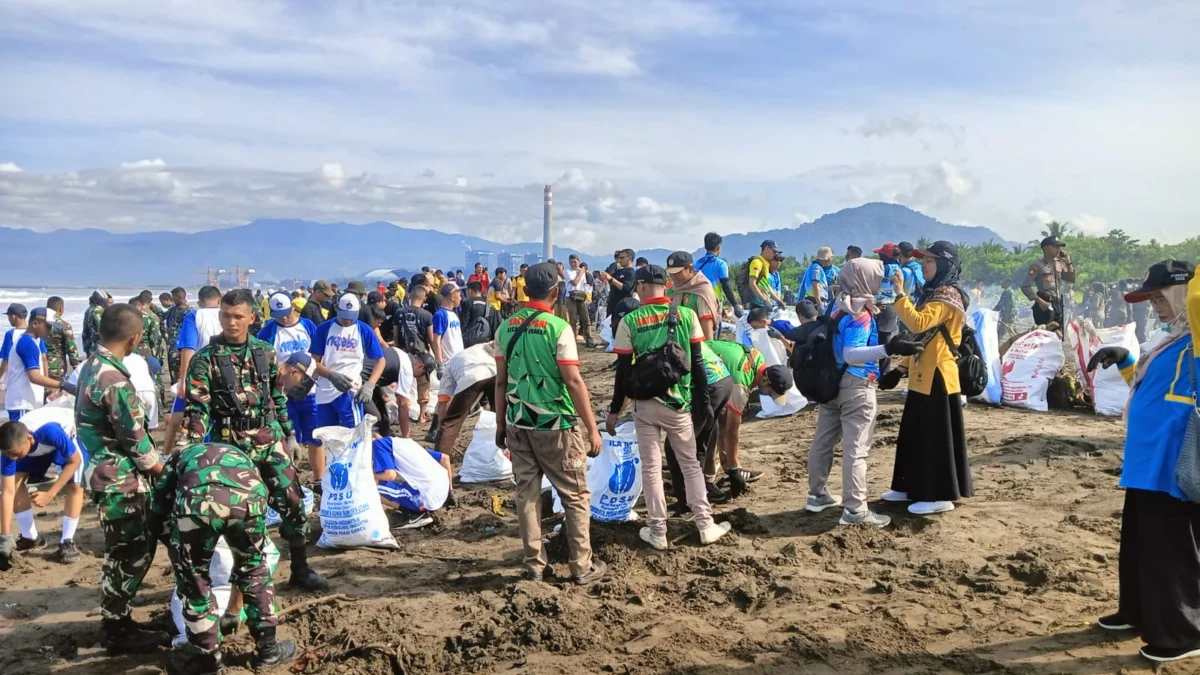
x=519, y=289
x=400, y=293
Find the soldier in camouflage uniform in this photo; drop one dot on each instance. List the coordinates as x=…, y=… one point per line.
x=232, y=397
x=152, y=344
x=91, y=321
x=61, y=353
x=171, y=324
x=208, y=491
x=121, y=463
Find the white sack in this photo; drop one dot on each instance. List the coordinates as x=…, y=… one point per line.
x=483, y=461
x=775, y=354
x=351, y=513
x=615, y=477
x=1028, y=366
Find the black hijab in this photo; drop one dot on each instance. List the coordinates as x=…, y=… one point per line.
x=947, y=278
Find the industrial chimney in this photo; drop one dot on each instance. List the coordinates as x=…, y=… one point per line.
x=547, y=225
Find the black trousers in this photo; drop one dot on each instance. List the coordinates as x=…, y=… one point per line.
x=1054, y=312
x=719, y=395
x=1160, y=568
x=459, y=409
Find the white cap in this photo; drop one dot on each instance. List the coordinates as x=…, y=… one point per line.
x=347, y=307
x=280, y=304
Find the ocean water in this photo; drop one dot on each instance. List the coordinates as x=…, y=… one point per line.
x=75, y=300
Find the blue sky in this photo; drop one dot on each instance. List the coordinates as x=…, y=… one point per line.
x=656, y=120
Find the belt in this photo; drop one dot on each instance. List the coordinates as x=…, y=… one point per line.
x=241, y=423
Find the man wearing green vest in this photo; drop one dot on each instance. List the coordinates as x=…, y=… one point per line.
x=541, y=400
x=682, y=409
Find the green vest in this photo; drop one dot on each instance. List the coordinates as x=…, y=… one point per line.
x=647, y=327
x=537, y=397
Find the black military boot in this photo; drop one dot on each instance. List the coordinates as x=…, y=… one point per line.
x=431, y=435
x=737, y=482
x=304, y=576
x=272, y=652
x=124, y=636
x=189, y=662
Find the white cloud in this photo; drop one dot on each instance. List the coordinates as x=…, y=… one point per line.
x=799, y=218
x=9, y=167
x=144, y=164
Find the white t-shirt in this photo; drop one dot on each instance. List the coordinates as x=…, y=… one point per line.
x=583, y=286
x=405, y=382
x=143, y=382
x=468, y=367
x=342, y=349
x=23, y=353
x=288, y=340
x=447, y=325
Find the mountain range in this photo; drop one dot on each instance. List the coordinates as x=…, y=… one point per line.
x=280, y=249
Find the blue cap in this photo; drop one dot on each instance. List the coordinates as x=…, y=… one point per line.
x=280, y=304
x=348, y=306
x=37, y=313
x=769, y=243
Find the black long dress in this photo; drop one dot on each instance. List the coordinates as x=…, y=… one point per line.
x=931, y=451
x=1160, y=568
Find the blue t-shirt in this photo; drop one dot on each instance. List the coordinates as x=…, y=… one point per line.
x=189, y=337
x=49, y=439
x=714, y=268
x=30, y=349
x=914, y=279
x=400, y=492
x=887, y=293
x=858, y=331
x=776, y=282
x=6, y=347
x=782, y=326
x=815, y=274
x=1159, y=409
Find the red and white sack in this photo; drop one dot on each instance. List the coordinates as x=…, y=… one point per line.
x=1028, y=366
x=1106, y=386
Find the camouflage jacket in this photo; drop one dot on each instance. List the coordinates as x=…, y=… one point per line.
x=112, y=426
x=209, y=482
x=91, y=329
x=151, y=344
x=61, y=353
x=172, y=322
x=208, y=411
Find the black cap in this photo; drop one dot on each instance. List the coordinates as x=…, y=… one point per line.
x=17, y=309
x=770, y=243
x=678, y=260
x=1052, y=241
x=540, y=278
x=780, y=380
x=906, y=248
x=426, y=360
x=652, y=274
x=1162, y=275
x=939, y=249
x=375, y=296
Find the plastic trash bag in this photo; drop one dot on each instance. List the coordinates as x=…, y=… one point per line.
x=220, y=571
x=615, y=476
x=1028, y=366
x=351, y=513
x=483, y=461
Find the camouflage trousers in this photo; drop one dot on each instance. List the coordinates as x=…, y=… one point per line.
x=173, y=364
x=128, y=551
x=193, y=540
x=283, y=489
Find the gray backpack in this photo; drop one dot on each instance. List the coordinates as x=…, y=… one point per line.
x=1187, y=468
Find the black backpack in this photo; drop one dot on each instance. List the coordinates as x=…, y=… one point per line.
x=814, y=365
x=408, y=331
x=481, y=323
x=743, y=281
x=972, y=370
x=655, y=372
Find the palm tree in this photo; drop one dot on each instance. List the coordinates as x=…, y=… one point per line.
x=924, y=243
x=1019, y=249
x=991, y=247
x=1057, y=230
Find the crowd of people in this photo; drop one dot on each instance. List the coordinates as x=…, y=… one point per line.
x=244, y=379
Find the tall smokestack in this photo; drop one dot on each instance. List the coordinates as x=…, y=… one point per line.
x=547, y=227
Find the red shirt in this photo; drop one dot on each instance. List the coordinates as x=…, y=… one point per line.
x=482, y=278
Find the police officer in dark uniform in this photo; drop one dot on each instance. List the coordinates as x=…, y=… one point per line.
x=1046, y=282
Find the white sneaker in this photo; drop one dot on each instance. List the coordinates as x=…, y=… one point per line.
x=894, y=496
x=930, y=508
x=864, y=517
x=818, y=503
x=658, y=543
x=714, y=532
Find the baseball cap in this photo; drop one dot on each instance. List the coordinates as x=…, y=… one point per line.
x=677, y=261
x=356, y=287
x=939, y=249
x=37, y=313
x=824, y=253
x=426, y=360
x=323, y=286
x=448, y=289
x=1161, y=275
x=769, y=243
x=889, y=249
x=906, y=248
x=1052, y=241
x=301, y=360
x=17, y=309
x=540, y=278
x=348, y=306
x=779, y=378
x=652, y=274
x=374, y=297
x=280, y=304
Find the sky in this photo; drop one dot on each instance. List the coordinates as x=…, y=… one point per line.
x=655, y=120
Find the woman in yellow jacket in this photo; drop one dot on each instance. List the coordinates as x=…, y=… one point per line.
x=931, y=469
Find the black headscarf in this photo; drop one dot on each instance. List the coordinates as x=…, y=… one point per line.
x=947, y=278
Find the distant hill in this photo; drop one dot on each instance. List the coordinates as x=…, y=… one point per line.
x=280, y=249
x=868, y=226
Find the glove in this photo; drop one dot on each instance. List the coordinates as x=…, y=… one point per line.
x=898, y=346
x=737, y=311
x=1108, y=356
x=8, y=548
x=890, y=379
x=294, y=447
x=365, y=392
x=341, y=382
x=69, y=387
x=441, y=370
